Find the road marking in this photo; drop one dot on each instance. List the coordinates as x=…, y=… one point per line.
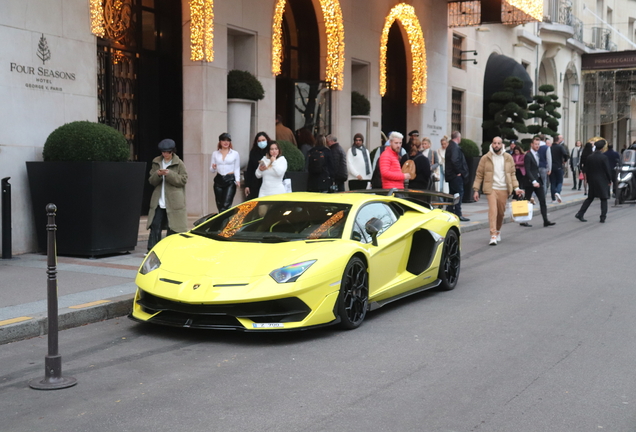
x=14, y=320
x=85, y=305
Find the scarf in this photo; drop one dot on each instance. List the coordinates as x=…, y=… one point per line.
x=365, y=156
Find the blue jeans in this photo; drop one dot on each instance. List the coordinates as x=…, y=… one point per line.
x=556, y=182
x=456, y=185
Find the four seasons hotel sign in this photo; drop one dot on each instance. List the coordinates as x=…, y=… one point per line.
x=40, y=76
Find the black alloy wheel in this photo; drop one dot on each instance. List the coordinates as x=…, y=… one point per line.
x=450, y=263
x=354, y=294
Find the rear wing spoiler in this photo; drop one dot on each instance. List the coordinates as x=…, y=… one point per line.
x=426, y=197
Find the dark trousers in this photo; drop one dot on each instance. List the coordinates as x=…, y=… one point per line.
x=456, y=185
x=541, y=196
x=224, y=191
x=556, y=182
x=588, y=201
x=340, y=186
x=159, y=223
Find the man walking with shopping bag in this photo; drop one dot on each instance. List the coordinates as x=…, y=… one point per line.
x=496, y=177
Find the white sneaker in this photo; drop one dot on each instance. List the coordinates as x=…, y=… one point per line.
x=558, y=197
x=498, y=236
x=493, y=241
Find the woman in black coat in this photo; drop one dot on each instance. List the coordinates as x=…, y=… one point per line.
x=422, y=167
x=253, y=184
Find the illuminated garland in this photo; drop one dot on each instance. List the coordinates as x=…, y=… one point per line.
x=202, y=30
x=97, y=17
x=237, y=220
x=406, y=15
x=534, y=8
x=334, y=28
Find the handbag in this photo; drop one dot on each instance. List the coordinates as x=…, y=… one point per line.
x=580, y=176
x=520, y=208
x=525, y=218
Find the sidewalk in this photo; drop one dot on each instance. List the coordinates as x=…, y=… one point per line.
x=91, y=290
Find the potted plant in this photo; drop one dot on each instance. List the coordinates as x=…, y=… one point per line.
x=295, y=165
x=98, y=193
x=243, y=90
x=472, y=155
x=360, y=109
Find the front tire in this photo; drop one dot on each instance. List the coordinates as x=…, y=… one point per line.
x=354, y=294
x=623, y=194
x=450, y=263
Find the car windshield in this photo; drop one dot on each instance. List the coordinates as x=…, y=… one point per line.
x=277, y=221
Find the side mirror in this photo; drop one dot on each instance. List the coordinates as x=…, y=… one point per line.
x=373, y=227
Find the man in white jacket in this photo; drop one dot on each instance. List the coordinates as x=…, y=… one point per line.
x=358, y=164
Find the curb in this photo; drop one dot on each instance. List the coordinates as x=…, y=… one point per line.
x=122, y=305
x=67, y=318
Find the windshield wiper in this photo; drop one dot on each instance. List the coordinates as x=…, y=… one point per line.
x=273, y=239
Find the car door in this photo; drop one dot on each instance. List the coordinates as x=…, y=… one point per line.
x=385, y=259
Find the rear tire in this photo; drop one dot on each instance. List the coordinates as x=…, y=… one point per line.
x=450, y=263
x=354, y=294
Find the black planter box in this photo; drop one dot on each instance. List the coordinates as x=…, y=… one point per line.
x=299, y=180
x=98, y=204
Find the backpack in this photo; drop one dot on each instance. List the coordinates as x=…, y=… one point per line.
x=376, y=178
x=316, y=161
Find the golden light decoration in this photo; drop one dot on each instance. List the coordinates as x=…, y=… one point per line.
x=462, y=14
x=97, y=17
x=237, y=220
x=202, y=30
x=405, y=14
x=533, y=8
x=334, y=28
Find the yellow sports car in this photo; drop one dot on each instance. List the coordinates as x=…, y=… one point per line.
x=300, y=260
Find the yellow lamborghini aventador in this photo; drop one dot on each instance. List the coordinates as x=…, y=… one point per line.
x=300, y=260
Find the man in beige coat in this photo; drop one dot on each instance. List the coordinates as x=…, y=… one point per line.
x=496, y=177
x=168, y=202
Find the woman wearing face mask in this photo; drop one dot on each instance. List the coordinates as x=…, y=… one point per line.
x=253, y=183
x=272, y=168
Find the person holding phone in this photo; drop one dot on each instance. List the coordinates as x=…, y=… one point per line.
x=272, y=168
x=168, y=203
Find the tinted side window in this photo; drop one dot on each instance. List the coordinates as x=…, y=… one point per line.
x=369, y=211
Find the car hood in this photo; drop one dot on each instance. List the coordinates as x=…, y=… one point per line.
x=234, y=262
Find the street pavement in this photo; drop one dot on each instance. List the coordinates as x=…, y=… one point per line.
x=91, y=290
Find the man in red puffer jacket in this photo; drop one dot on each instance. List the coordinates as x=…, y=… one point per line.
x=390, y=169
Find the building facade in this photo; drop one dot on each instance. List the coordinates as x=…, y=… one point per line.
x=158, y=69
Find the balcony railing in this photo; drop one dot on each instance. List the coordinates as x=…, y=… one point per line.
x=601, y=38
x=560, y=12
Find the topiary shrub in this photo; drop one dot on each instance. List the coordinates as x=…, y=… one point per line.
x=244, y=85
x=86, y=141
x=295, y=158
x=469, y=148
x=485, y=148
x=360, y=105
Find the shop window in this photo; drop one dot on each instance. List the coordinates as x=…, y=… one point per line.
x=456, y=115
x=457, y=51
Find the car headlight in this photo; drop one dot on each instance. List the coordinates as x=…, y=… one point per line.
x=291, y=272
x=152, y=263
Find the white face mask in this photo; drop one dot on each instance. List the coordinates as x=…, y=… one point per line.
x=262, y=144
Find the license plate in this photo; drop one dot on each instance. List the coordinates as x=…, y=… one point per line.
x=268, y=325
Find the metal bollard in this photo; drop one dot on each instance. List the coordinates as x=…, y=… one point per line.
x=53, y=378
x=6, y=218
